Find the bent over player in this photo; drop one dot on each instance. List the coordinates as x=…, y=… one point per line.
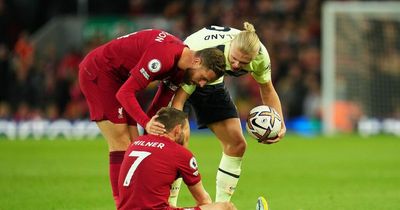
x=152, y=163
x=244, y=54
x=112, y=74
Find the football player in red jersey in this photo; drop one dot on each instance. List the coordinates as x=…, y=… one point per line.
x=112, y=74
x=153, y=162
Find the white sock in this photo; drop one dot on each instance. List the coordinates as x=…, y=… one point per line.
x=174, y=192
x=227, y=177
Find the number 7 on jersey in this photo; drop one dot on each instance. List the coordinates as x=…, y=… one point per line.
x=141, y=155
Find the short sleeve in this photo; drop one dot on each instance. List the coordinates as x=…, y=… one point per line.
x=261, y=67
x=189, y=89
x=188, y=168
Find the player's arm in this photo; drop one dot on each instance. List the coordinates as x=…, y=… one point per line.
x=161, y=99
x=270, y=97
x=126, y=95
x=188, y=169
x=182, y=95
x=200, y=194
x=155, y=61
x=180, y=98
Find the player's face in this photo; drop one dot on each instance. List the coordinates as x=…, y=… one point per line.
x=237, y=59
x=199, y=76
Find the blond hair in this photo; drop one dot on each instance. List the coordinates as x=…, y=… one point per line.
x=247, y=40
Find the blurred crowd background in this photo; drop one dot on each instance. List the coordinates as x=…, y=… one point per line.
x=43, y=84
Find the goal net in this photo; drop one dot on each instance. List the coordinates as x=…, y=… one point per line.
x=361, y=67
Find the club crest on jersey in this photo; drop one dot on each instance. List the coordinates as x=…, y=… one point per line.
x=193, y=163
x=154, y=65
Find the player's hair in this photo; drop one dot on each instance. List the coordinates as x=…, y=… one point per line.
x=170, y=117
x=247, y=41
x=214, y=59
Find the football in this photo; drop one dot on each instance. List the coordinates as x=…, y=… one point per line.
x=263, y=122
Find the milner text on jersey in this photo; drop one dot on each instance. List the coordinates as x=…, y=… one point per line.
x=149, y=144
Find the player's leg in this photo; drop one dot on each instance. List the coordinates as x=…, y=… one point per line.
x=218, y=205
x=224, y=122
x=174, y=192
x=229, y=132
x=118, y=137
x=113, y=121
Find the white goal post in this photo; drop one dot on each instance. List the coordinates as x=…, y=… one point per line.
x=361, y=67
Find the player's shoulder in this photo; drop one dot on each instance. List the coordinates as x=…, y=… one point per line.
x=155, y=32
x=216, y=28
x=181, y=151
x=166, y=51
x=263, y=54
x=210, y=36
x=208, y=32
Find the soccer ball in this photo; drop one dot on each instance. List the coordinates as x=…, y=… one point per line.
x=263, y=122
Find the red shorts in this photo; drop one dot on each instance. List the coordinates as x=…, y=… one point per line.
x=100, y=90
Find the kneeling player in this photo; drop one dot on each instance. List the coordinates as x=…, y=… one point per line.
x=152, y=163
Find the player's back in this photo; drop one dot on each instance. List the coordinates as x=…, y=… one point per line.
x=126, y=51
x=210, y=36
x=150, y=166
x=221, y=37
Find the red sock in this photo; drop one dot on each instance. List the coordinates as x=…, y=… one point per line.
x=116, y=158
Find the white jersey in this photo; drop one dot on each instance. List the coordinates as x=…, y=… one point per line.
x=221, y=37
x=211, y=36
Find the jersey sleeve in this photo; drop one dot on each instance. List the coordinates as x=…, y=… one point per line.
x=161, y=99
x=260, y=67
x=126, y=95
x=189, y=89
x=188, y=168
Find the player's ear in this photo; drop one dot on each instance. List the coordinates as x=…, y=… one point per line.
x=197, y=60
x=177, y=131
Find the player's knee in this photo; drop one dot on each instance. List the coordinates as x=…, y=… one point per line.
x=119, y=142
x=242, y=146
x=239, y=145
x=236, y=149
x=228, y=206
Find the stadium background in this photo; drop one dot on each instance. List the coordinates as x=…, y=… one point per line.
x=39, y=78
x=42, y=42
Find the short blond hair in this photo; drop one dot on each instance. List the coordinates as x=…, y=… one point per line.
x=247, y=41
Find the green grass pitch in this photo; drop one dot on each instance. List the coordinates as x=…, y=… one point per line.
x=298, y=173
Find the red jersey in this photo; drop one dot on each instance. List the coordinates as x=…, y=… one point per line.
x=135, y=60
x=150, y=166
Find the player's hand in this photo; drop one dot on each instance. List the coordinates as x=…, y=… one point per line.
x=280, y=135
x=154, y=127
